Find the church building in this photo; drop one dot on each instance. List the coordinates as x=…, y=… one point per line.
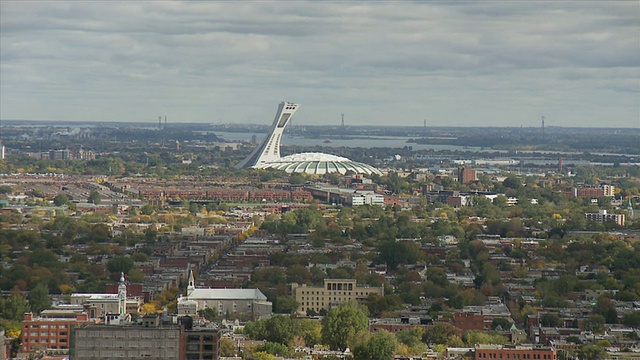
x=246, y=304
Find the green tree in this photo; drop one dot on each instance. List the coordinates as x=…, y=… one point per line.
x=380, y=346
x=549, y=320
x=209, y=314
x=60, y=200
x=440, y=333
x=505, y=324
x=279, y=329
x=94, y=197
x=595, y=323
x=285, y=305
x=592, y=352
x=120, y=264
x=227, y=347
x=512, y=182
x=473, y=337
x=39, y=298
x=410, y=337
x=14, y=307
x=274, y=348
x=342, y=323
x=632, y=319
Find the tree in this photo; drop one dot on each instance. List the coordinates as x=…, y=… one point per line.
x=473, y=337
x=227, y=347
x=209, y=314
x=595, y=323
x=380, y=346
x=632, y=319
x=60, y=200
x=410, y=337
x=342, y=323
x=278, y=329
x=285, y=305
x=274, y=348
x=549, y=320
x=512, y=182
x=94, y=197
x=120, y=264
x=39, y=298
x=14, y=307
x=592, y=352
x=440, y=333
x=505, y=324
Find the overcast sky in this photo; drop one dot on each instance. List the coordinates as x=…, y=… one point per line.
x=498, y=63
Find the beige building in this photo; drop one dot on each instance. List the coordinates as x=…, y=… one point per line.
x=609, y=190
x=100, y=305
x=603, y=216
x=333, y=293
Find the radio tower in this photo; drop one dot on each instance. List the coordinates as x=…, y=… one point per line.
x=342, y=121
x=159, y=122
x=543, y=127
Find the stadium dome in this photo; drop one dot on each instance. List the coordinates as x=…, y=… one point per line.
x=318, y=164
x=267, y=155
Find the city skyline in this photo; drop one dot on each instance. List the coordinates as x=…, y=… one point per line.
x=380, y=63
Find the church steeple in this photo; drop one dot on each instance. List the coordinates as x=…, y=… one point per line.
x=122, y=295
x=192, y=283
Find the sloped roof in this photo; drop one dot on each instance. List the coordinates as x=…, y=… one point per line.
x=227, y=294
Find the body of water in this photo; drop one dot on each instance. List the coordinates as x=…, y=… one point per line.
x=353, y=142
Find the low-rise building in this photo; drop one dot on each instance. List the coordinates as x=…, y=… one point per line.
x=151, y=339
x=51, y=330
x=251, y=304
x=333, y=293
x=603, y=216
x=524, y=352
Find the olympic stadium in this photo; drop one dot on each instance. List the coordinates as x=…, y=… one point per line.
x=267, y=155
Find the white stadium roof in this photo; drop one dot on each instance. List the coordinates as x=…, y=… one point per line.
x=318, y=163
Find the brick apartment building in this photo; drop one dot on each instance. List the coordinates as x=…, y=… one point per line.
x=51, y=330
x=466, y=175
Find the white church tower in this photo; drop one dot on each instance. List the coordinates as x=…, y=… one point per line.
x=269, y=150
x=122, y=296
x=192, y=283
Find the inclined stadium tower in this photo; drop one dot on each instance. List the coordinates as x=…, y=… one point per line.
x=267, y=155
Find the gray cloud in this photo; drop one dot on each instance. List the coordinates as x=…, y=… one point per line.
x=454, y=63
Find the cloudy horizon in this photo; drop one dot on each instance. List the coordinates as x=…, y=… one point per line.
x=379, y=63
